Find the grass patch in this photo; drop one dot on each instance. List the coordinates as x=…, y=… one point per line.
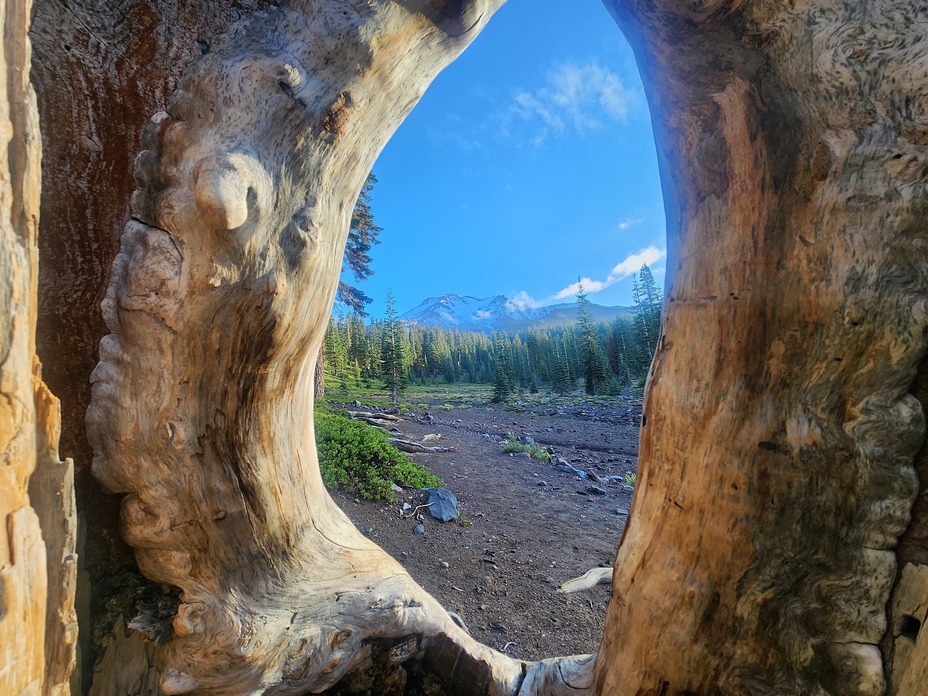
x=536, y=451
x=631, y=479
x=358, y=458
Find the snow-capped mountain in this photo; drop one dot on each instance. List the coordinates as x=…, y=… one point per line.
x=496, y=313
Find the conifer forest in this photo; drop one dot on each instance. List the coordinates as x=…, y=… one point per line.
x=601, y=358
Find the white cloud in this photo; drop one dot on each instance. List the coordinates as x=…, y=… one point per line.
x=522, y=301
x=622, y=270
x=628, y=223
x=589, y=286
x=581, y=97
x=633, y=262
x=530, y=105
x=482, y=314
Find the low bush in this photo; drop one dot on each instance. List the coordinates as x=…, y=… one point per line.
x=358, y=458
x=536, y=451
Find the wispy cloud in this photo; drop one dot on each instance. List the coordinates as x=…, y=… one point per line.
x=522, y=301
x=628, y=223
x=578, y=97
x=633, y=262
x=626, y=267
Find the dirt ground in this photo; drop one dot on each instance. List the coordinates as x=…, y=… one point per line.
x=525, y=527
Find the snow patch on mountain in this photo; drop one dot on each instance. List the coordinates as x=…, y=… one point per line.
x=467, y=313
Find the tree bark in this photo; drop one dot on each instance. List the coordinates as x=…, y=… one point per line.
x=37, y=564
x=775, y=472
x=245, y=191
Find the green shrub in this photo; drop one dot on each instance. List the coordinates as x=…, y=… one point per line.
x=358, y=458
x=631, y=479
x=536, y=451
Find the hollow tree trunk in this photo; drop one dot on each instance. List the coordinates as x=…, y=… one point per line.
x=776, y=456
x=775, y=473
x=202, y=401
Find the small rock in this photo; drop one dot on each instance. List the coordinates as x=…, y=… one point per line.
x=358, y=404
x=620, y=511
x=523, y=455
x=543, y=484
x=528, y=440
x=596, y=490
x=419, y=529
x=486, y=436
x=406, y=507
x=445, y=565
x=593, y=477
x=561, y=461
x=395, y=488
x=567, y=469
x=443, y=505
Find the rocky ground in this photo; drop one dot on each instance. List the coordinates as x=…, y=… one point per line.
x=525, y=527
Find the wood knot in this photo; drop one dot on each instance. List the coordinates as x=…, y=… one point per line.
x=821, y=161
x=222, y=191
x=336, y=116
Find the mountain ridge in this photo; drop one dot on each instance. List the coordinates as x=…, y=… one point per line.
x=497, y=313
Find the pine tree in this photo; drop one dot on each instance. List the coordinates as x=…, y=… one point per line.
x=647, y=301
x=504, y=384
x=393, y=352
x=361, y=237
x=592, y=358
x=560, y=373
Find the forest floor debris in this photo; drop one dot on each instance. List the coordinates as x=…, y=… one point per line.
x=516, y=542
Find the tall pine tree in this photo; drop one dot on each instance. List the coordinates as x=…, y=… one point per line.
x=592, y=358
x=647, y=299
x=504, y=384
x=392, y=352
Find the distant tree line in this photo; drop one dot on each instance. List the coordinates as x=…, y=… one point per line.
x=602, y=358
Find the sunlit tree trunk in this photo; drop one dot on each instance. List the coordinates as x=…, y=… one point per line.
x=38, y=628
x=776, y=466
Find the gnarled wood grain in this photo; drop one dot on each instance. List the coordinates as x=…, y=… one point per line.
x=37, y=564
x=779, y=433
x=240, y=215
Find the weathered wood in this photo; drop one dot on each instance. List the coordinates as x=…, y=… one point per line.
x=776, y=452
x=778, y=434
x=369, y=415
x=591, y=578
x=244, y=195
x=100, y=69
x=37, y=565
x=415, y=448
x=908, y=632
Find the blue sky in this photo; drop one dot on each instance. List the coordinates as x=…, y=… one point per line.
x=529, y=163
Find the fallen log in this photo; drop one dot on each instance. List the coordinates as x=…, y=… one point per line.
x=416, y=448
x=368, y=415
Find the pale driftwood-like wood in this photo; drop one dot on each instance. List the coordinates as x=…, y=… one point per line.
x=775, y=472
x=37, y=564
x=415, y=448
x=202, y=400
x=591, y=578
x=910, y=638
